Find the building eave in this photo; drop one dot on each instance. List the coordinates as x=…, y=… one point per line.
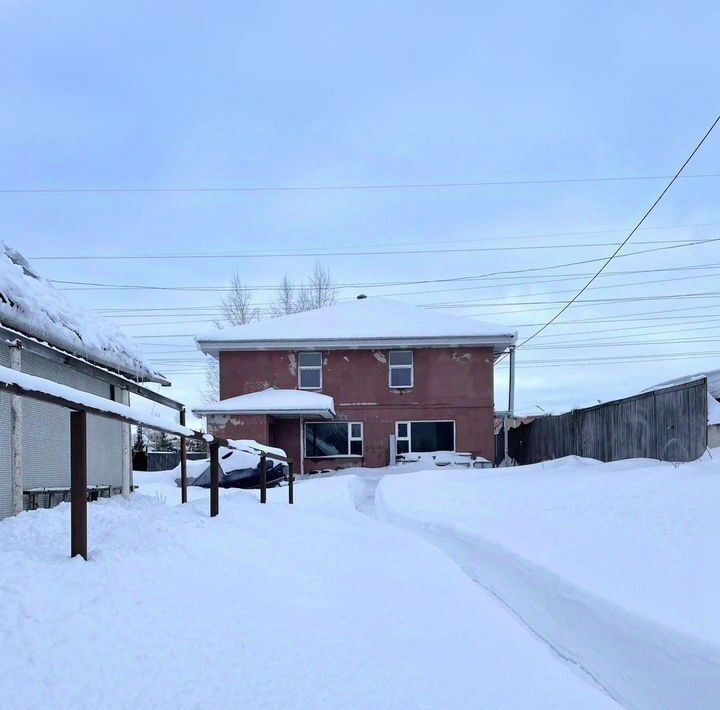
x=499, y=343
x=286, y=413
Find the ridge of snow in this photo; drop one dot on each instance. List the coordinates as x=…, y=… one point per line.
x=358, y=319
x=33, y=306
x=55, y=389
x=271, y=400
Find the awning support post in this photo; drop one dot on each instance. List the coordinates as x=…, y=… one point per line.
x=183, y=462
x=78, y=484
x=291, y=492
x=263, y=478
x=214, y=479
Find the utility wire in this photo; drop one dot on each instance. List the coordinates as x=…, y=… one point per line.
x=336, y=188
x=624, y=242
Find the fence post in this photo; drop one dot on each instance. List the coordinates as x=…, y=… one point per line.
x=78, y=484
x=214, y=479
x=16, y=426
x=183, y=461
x=263, y=478
x=291, y=493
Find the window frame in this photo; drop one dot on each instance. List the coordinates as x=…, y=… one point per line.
x=300, y=368
x=408, y=438
x=410, y=367
x=350, y=439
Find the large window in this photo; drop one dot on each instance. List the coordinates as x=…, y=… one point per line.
x=333, y=439
x=401, y=369
x=418, y=437
x=310, y=371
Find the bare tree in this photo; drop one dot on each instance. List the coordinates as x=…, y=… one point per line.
x=237, y=307
x=319, y=291
x=211, y=391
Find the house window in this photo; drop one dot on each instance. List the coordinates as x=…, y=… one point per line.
x=310, y=371
x=333, y=439
x=401, y=369
x=419, y=437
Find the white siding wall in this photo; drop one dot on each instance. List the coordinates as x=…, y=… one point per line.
x=46, y=434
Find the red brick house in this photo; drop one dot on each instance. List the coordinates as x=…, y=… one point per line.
x=340, y=386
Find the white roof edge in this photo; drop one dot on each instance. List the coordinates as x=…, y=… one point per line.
x=211, y=346
x=327, y=413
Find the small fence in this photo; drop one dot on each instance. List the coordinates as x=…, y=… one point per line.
x=669, y=424
x=162, y=460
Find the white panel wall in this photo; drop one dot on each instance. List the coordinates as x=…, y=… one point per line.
x=46, y=434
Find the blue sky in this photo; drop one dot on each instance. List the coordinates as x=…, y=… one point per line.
x=143, y=95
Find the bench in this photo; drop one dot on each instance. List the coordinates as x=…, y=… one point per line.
x=61, y=494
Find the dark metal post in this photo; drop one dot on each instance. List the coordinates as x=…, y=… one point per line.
x=214, y=479
x=263, y=478
x=183, y=460
x=78, y=484
x=291, y=492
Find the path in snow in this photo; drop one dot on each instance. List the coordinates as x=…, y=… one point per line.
x=638, y=662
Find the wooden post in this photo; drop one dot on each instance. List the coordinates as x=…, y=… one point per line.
x=263, y=478
x=214, y=479
x=78, y=484
x=183, y=461
x=16, y=468
x=291, y=493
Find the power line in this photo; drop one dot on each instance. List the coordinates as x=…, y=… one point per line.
x=387, y=252
x=337, y=188
x=626, y=240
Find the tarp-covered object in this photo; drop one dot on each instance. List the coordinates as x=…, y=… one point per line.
x=238, y=469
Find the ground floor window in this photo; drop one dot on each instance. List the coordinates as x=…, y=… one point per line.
x=332, y=439
x=418, y=437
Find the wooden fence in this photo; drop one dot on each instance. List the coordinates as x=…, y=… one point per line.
x=668, y=424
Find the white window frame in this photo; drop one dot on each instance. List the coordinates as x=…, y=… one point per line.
x=410, y=367
x=300, y=368
x=409, y=424
x=351, y=438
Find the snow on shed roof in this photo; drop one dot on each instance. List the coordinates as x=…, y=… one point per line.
x=34, y=307
x=713, y=379
x=366, y=322
x=273, y=401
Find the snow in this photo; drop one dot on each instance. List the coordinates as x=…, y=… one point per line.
x=616, y=565
x=136, y=415
x=32, y=306
x=271, y=401
x=712, y=376
x=313, y=606
x=713, y=410
x=361, y=319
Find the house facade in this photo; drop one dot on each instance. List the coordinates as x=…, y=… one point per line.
x=355, y=383
x=43, y=333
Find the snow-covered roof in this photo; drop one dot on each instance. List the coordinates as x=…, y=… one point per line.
x=33, y=306
x=273, y=401
x=713, y=379
x=363, y=322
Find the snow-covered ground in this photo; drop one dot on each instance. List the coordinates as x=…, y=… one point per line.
x=311, y=606
x=616, y=565
x=572, y=584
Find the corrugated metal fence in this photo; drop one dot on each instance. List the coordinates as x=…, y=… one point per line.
x=668, y=424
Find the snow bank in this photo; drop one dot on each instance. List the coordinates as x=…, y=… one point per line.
x=31, y=305
x=615, y=565
x=310, y=606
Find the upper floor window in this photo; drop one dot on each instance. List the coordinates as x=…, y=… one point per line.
x=401, y=369
x=310, y=371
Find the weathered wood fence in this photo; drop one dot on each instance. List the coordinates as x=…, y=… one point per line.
x=668, y=424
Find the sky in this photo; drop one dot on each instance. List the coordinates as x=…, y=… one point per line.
x=139, y=96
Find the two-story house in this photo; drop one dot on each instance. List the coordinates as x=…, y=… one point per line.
x=340, y=386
